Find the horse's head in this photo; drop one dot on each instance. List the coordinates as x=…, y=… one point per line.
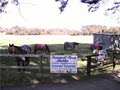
x=76, y=44
x=13, y=49
x=10, y=48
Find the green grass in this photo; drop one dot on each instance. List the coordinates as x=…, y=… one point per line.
x=15, y=77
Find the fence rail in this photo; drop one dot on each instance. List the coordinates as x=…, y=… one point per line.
x=40, y=67
x=25, y=55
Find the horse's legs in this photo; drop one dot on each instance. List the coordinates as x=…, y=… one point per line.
x=45, y=51
x=65, y=47
x=27, y=60
x=73, y=47
x=35, y=51
x=23, y=64
x=18, y=62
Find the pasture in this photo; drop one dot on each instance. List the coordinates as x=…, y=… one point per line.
x=55, y=43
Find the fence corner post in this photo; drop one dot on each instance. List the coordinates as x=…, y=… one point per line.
x=88, y=65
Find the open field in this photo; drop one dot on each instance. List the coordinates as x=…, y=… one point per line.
x=47, y=39
x=55, y=43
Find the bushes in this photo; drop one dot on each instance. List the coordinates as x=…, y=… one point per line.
x=86, y=30
x=36, y=31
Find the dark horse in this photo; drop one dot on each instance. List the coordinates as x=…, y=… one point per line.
x=70, y=45
x=42, y=47
x=24, y=49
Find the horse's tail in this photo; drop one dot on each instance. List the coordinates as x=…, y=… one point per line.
x=47, y=48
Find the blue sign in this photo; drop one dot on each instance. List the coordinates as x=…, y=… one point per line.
x=63, y=64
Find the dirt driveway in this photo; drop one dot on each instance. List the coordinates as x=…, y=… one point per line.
x=101, y=82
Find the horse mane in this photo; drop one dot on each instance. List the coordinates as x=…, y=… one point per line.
x=75, y=43
x=18, y=48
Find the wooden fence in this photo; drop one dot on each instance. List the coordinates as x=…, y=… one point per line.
x=41, y=67
x=113, y=60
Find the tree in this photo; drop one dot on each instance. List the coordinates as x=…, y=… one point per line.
x=93, y=5
x=4, y=3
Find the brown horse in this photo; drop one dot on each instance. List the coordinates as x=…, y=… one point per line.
x=24, y=49
x=43, y=47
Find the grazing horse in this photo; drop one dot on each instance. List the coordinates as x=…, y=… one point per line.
x=24, y=49
x=42, y=47
x=70, y=45
x=95, y=46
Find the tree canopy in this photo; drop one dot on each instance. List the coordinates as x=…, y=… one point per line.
x=93, y=5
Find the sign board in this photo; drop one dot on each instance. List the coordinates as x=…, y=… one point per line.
x=63, y=64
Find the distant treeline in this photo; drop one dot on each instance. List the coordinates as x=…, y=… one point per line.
x=86, y=30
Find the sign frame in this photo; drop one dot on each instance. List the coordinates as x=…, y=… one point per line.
x=63, y=63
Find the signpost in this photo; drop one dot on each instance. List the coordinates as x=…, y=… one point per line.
x=63, y=64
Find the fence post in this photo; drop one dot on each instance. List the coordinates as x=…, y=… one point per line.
x=40, y=63
x=113, y=60
x=88, y=65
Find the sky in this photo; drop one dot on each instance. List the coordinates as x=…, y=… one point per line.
x=45, y=14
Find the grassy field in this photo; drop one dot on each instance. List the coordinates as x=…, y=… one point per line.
x=55, y=43
x=47, y=39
